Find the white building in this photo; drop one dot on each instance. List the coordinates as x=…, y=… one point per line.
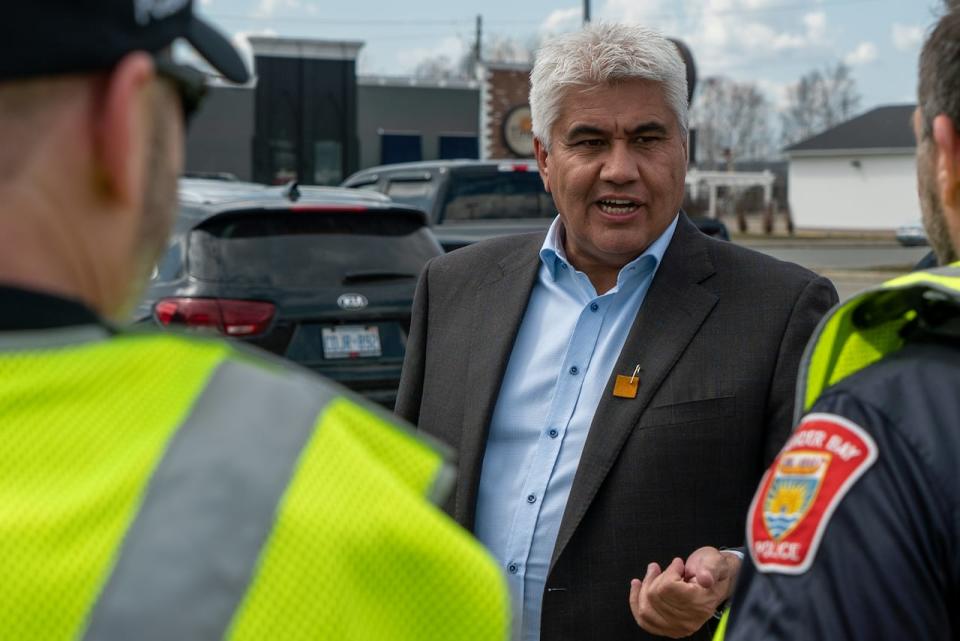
x=858, y=175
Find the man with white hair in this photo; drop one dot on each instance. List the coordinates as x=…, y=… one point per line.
x=616, y=386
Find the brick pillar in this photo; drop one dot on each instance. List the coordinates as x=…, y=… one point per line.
x=504, y=90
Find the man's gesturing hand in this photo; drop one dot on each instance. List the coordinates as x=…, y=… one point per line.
x=677, y=601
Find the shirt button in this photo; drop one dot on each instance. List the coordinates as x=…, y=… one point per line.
x=594, y=307
x=512, y=568
x=574, y=370
x=563, y=265
x=554, y=433
x=531, y=498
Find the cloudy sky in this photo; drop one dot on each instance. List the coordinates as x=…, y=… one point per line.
x=770, y=42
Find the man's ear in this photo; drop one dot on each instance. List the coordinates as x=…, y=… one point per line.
x=947, y=144
x=122, y=120
x=541, y=153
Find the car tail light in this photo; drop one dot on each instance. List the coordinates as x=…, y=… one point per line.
x=227, y=316
x=514, y=166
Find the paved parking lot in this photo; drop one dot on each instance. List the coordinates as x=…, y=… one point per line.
x=852, y=265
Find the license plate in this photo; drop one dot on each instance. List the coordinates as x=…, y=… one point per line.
x=351, y=341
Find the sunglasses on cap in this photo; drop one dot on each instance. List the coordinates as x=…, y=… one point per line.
x=190, y=83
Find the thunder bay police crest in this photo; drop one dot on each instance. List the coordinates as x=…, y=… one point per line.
x=796, y=483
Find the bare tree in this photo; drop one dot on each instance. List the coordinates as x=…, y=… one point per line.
x=438, y=67
x=495, y=49
x=819, y=100
x=509, y=49
x=731, y=116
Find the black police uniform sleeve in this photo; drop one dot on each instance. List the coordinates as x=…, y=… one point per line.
x=885, y=567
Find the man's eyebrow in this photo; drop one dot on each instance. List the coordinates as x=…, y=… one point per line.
x=648, y=128
x=652, y=127
x=585, y=130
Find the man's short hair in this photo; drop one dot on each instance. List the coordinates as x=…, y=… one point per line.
x=939, y=86
x=604, y=53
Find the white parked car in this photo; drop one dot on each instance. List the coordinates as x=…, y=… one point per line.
x=912, y=234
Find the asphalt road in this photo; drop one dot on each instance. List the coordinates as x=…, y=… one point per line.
x=851, y=265
x=849, y=283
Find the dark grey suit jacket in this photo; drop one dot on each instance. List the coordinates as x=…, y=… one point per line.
x=719, y=338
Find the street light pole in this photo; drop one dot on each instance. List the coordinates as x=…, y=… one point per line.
x=478, y=54
x=586, y=11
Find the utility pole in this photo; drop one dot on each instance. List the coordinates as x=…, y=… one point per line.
x=586, y=12
x=476, y=47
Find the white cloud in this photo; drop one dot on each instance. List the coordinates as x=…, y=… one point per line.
x=728, y=37
x=268, y=8
x=865, y=53
x=906, y=37
x=632, y=11
x=813, y=35
x=816, y=24
x=727, y=34
x=450, y=47
x=562, y=19
x=656, y=14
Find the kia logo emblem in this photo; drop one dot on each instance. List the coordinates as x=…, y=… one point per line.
x=352, y=301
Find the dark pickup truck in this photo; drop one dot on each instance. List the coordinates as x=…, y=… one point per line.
x=471, y=200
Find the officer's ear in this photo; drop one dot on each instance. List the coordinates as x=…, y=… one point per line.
x=947, y=161
x=122, y=129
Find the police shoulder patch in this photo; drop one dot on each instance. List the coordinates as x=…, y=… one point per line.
x=821, y=461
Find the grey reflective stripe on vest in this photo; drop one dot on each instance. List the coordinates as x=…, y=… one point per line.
x=189, y=555
x=52, y=338
x=950, y=270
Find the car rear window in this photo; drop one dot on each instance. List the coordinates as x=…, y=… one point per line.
x=495, y=194
x=310, y=249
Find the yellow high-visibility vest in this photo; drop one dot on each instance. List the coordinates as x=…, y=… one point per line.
x=868, y=327
x=158, y=486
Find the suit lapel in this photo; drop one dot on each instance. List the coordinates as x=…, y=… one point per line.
x=674, y=309
x=499, y=307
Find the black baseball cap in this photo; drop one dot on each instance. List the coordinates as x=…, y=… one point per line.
x=50, y=37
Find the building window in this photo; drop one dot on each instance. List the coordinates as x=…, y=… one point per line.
x=459, y=146
x=327, y=168
x=400, y=148
x=283, y=161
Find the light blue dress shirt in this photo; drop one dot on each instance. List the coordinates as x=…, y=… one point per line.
x=568, y=343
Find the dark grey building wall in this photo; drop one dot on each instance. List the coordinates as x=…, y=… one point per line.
x=429, y=111
x=220, y=137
